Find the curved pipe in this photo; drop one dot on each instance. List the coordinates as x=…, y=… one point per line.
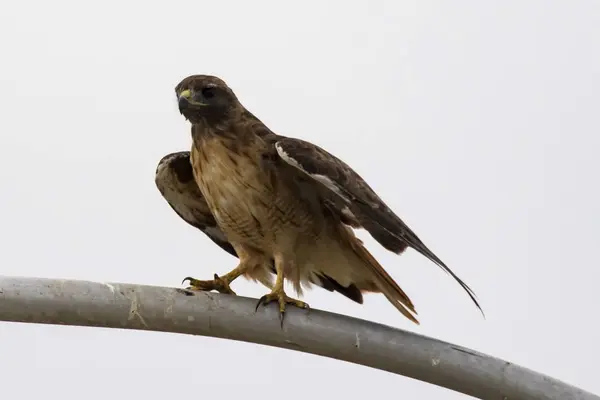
x=128, y=306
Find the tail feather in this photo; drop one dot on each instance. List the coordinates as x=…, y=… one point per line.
x=328, y=283
x=383, y=281
x=393, y=234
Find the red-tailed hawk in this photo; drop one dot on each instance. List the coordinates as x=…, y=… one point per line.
x=283, y=200
x=175, y=181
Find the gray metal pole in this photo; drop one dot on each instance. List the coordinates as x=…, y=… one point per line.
x=118, y=305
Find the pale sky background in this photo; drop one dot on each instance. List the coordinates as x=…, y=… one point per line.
x=477, y=121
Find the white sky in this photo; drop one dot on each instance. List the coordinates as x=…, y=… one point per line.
x=477, y=122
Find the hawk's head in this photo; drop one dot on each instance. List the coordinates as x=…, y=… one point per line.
x=205, y=97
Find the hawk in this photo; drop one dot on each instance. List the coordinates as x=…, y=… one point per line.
x=175, y=181
x=288, y=203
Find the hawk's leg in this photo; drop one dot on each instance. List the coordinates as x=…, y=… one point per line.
x=219, y=283
x=278, y=293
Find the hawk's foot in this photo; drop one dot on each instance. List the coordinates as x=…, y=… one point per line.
x=283, y=299
x=219, y=284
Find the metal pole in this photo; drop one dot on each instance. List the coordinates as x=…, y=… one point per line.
x=128, y=306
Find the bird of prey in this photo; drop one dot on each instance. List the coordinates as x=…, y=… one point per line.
x=284, y=201
x=175, y=181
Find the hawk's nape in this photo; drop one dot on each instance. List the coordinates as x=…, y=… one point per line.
x=288, y=201
x=175, y=182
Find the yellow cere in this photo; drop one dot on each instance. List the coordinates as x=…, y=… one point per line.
x=186, y=94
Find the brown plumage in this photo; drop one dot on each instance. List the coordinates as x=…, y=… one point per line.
x=286, y=200
x=175, y=181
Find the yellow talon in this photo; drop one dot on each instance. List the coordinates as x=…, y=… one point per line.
x=219, y=284
x=283, y=299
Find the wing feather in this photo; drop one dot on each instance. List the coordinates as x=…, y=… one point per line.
x=175, y=181
x=348, y=193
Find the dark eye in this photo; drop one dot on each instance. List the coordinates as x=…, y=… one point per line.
x=208, y=93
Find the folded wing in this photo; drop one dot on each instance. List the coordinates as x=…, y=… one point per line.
x=175, y=181
x=345, y=192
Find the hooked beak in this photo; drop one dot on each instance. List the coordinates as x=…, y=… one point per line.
x=186, y=101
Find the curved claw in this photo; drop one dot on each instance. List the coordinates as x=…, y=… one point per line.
x=219, y=284
x=261, y=301
x=283, y=300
